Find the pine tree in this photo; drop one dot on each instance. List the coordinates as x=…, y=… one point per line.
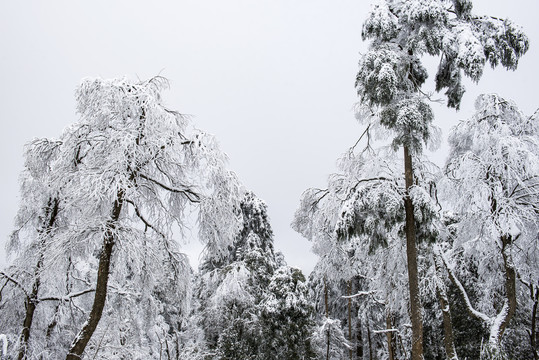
x=239, y=290
x=391, y=75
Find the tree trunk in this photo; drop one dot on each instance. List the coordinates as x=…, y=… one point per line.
x=390, y=336
x=369, y=340
x=327, y=316
x=359, y=338
x=533, y=332
x=510, y=304
x=359, y=330
x=411, y=255
x=31, y=300
x=85, y=334
x=449, y=340
x=350, y=351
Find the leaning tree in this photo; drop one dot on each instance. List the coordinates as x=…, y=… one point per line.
x=125, y=177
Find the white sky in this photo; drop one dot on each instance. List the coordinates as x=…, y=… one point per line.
x=272, y=79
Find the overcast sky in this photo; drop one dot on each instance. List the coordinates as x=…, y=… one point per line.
x=272, y=79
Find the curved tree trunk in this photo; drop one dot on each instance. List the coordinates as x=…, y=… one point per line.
x=411, y=256
x=31, y=300
x=85, y=334
x=449, y=339
x=510, y=304
x=498, y=323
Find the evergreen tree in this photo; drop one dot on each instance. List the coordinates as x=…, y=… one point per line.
x=391, y=75
x=249, y=301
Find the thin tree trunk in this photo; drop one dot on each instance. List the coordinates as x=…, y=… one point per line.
x=390, y=336
x=449, y=341
x=350, y=351
x=497, y=324
x=359, y=338
x=369, y=340
x=359, y=330
x=411, y=255
x=510, y=304
x=85, y=334
x=533, y=332
x=327, y=315
x=31, y=300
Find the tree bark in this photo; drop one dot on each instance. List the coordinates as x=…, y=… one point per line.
x=359, y=330
x=369, y=340
x=449, y=339
x=533, y=332
x=390, y=336
x=327, y=315
x=31, y=300
x=411, y=255
x=359, y=338
x=109, y=238
x=510, y=304
x=350, y=351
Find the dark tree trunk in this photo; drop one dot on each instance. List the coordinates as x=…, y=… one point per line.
x=411, y=255
x=449, y=340
x=31, y=300
x=359, y=330
x=85, y=334
x=510, y=286
x=327, y=316
x=390, y=337
x=359, y=338
x=350, y=351
x=369, y=340
x=533, y=332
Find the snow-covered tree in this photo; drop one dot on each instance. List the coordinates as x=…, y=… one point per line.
x=249, y=301
x=357, y=226
x=391, y=75
x=287, y=317
x=125, y=175
x=494, y=167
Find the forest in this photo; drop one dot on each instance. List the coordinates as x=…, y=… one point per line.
x=414, y=261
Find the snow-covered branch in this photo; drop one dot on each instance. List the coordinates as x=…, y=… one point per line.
x=68, y=296
x=190, y=194
x=471, y=310
x=11, y=279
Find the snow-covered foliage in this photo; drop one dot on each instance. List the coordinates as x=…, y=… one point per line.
x=356, y=225
x=390, y=81
x=494, y=166
x=111, y=190
x=249, y=304
x=337, y=341
x=402, y=31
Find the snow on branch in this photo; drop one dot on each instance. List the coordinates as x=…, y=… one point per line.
x=8, y=277
x=190, y=194
x=68, y=296
x=473, y=312
x=361, y=293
